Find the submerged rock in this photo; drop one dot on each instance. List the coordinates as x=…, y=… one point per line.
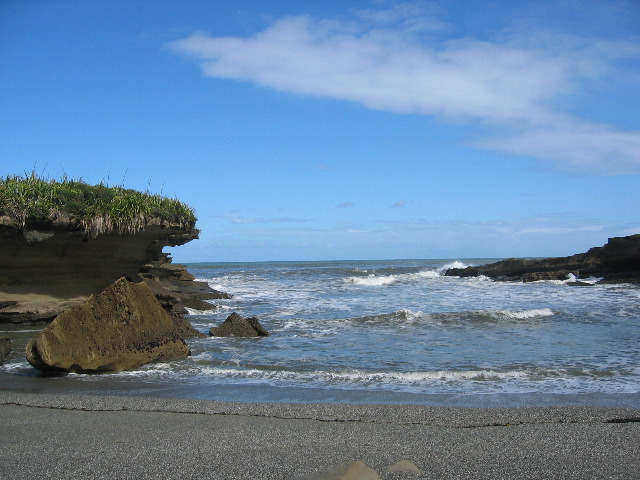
x=121, y=328
x=237, y=326
x=5, y=348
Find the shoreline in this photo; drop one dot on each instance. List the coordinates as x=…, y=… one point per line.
x=80, y=436
x=107, y=385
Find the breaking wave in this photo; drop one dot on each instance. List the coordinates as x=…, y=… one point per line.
x=364, y=278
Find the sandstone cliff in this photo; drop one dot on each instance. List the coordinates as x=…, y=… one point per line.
x=616, y=262
x=47, y=268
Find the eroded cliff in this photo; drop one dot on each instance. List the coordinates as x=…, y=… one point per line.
x=44, y=269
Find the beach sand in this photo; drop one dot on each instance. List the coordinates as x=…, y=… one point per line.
x=91, y=436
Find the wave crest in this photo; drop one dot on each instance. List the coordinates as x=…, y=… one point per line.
x=377, y=280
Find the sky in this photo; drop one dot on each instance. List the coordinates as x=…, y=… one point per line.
x=335, y=130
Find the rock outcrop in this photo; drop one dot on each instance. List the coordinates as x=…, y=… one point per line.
x=5, y=348
x=616, y=262
x=118, y=329
x=237, y=326
x=45, y=270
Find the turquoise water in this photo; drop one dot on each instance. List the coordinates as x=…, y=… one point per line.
x=396, y=332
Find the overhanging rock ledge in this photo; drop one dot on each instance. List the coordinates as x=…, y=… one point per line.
x=45, y=269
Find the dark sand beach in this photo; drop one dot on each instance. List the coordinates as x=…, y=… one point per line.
x=89, y=436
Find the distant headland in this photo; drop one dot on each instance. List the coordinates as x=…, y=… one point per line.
x=616, y=262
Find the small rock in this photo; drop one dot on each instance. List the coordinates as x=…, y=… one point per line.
x=403, y=466
x=345, y=471
x=237, y=326
x=5, y=348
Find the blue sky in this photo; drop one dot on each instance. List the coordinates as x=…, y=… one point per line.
x=308, y=130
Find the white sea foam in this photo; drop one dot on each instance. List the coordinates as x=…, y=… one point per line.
x=456, y=264
x=526, y=314
x=420, y=378
x=478, y=280
x=477, y=381
x=194, y=311
x=373, y=280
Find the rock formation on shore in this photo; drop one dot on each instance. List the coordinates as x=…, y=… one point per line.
x=121, y=328
x=616, y=262
x=45, y=269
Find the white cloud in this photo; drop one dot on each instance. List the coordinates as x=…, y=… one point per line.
x=388, y=61
x=574, y=146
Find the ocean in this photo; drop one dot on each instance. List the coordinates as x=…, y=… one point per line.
x=395, y=332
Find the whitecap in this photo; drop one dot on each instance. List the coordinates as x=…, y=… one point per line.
x=526, y=314
x=455, y=264
x=194, y=311
x=373, y=280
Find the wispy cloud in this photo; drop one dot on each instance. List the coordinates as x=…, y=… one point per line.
x=346, y=205
x=512, y=86
x=242, y=220
x=542, y=235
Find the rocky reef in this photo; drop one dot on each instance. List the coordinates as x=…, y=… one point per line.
x=47, y=268
x=618, y=261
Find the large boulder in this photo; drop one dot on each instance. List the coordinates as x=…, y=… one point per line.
x=121, y=328
x=237, y=326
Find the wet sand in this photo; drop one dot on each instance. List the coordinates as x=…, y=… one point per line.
x=90, y=436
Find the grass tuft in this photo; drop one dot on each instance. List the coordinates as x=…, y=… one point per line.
x=33, y=200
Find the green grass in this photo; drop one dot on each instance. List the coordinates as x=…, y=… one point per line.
x=32, y=200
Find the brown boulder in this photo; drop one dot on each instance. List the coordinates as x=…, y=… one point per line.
x=237, y=326
x=121, y=328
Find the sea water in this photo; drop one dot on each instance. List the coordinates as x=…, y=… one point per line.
x=394, y=332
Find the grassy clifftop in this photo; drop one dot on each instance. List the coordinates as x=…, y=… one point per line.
x=32, y=200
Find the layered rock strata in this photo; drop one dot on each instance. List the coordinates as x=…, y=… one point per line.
x=618, y=261
x=49, y=268
x=121, y=328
